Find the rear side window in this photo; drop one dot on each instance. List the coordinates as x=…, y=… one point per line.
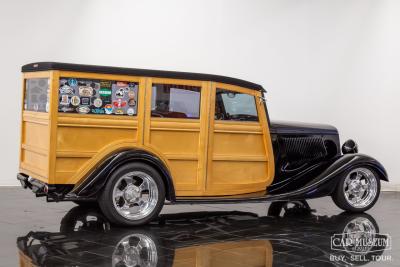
x=37, y=94
x=175, y=101
x=89, y=96
x=235, y=106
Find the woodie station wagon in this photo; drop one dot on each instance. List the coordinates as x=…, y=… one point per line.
x=131, y=139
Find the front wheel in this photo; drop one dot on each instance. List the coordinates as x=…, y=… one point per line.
x=134, y=195
x=358, y=190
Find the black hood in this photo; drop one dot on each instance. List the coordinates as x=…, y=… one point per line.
x=284, y=127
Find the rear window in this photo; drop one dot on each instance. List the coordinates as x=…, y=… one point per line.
x=37, y=94
x=90, y=96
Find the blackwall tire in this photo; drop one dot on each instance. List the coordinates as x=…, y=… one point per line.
x=342, y=195
x=134, y=195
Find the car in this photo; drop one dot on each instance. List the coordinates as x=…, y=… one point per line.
x=132, y=140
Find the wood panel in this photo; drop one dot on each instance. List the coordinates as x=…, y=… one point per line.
x=181, y=141
x=35, y=132
x=240, y=159
x=80, y=138
x=84, y=140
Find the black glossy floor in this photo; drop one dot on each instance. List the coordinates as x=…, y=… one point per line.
x=36, y=233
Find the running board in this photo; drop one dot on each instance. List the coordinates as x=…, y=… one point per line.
x=244, y=198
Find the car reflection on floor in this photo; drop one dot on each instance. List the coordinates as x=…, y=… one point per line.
x=291, y=233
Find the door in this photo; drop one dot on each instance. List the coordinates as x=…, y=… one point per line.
x=240, y=158
x=176, y=128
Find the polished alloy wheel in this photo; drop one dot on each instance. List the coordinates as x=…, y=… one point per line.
x=135, y=250
x=360, y=187
x=135, y=195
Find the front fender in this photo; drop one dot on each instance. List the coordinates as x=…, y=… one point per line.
x=348, y=161
x=326, y=181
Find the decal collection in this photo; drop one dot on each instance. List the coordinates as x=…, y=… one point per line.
x=72, y=82
x=119, y=103
x=120, y=93
x=130, y=111
x=83, y=109
x=119, y=111
x=86, y=91
x=66, y=109
x=97, y=102
x=108, y=109
x=85, y=100
x=66, y=90
x=104, y=92
x=65, y=100
x=75, y=100
x=88, y=96
x=98, y=111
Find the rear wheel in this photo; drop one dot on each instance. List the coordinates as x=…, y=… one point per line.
x=358, y=190
x=134, y=195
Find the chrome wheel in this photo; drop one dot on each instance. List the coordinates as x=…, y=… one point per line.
x=360, y=187
x=135, y=250
x=135, y=195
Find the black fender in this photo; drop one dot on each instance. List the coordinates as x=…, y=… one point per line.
x=95, y=181
x=325, y=183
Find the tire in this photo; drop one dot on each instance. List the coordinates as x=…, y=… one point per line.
x=123, y=200
x=345, y=203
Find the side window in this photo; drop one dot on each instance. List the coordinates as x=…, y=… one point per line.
x=175, y=101
x=37, y=94
x=235, y=106
x=97, y=96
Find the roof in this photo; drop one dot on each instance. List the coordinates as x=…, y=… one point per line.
x=44, y=66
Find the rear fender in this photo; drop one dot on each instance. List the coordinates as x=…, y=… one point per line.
x=91, y=186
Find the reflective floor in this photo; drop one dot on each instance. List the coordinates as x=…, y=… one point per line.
x=313, y=233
